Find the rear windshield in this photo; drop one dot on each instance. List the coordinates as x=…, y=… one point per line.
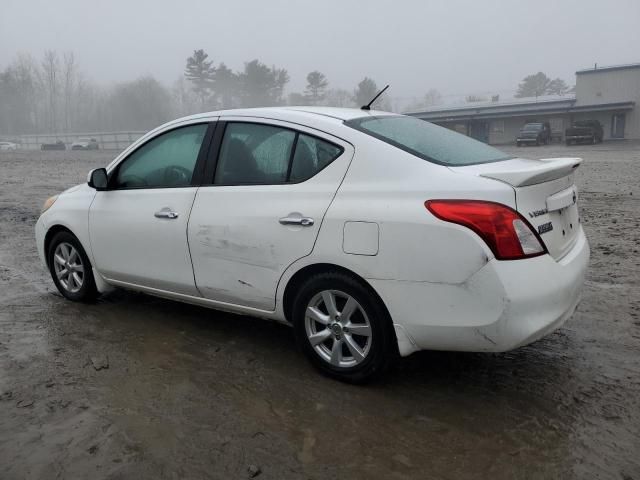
x=532, y=126
x=428, y=141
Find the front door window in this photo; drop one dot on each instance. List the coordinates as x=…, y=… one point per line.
x=166, y=161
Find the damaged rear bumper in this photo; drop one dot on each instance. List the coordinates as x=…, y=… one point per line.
x=504, y=305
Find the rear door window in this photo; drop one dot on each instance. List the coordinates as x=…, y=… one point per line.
x=254, y=153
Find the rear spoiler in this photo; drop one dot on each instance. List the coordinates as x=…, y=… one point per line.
x=520, y=173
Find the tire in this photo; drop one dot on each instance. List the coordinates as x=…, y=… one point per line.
x=76, y=266
x=568, y=142
x=339, y=352
x=518, y=144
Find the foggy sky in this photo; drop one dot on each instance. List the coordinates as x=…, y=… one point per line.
x=456, y=46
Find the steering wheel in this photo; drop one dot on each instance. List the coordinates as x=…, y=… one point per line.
x=133, y=181
x=177, y=175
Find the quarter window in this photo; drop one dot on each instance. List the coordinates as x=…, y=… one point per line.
x=253, y=153
x=166, y=161
x=311, y=156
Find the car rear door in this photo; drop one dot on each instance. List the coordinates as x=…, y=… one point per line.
x=270, y=184
x=138, y=227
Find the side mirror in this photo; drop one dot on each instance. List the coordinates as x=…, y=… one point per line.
x=98, y=179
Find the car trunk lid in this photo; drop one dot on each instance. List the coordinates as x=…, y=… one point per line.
x=545, y=194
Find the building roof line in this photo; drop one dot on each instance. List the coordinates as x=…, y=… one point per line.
x=609, y=68
x=485, y=114
x=471, y=106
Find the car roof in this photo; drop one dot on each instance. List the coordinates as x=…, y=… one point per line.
x=304, y=115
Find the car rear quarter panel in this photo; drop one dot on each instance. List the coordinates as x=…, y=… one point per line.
x=420, y=260
x=387, y=186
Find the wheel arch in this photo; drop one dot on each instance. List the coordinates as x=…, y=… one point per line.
x=52, y=232
x=294, y=283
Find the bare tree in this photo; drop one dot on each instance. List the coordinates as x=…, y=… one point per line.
x=29, y=90
x=184, y=98
x=430, y=99
x=69, y=79
x=50, y=69
x=338, y=97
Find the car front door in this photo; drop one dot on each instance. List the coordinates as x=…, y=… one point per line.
x=138, y=226
x=263, y=208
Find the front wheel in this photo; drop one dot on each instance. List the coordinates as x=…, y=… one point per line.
x=343, y=328
x=70, y=268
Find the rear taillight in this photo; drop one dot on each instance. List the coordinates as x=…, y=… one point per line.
x=505, y=231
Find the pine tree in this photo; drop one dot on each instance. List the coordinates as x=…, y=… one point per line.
x=201, y=72
x=316, y=87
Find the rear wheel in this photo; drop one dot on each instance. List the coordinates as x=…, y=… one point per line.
x=342, y=328
x=70, y=268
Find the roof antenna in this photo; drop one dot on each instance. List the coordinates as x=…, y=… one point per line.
x=368, y=105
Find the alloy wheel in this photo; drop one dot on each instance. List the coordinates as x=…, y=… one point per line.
x=338, y=328
x=68, y=267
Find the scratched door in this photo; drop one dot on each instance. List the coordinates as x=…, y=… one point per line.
x=242, y=237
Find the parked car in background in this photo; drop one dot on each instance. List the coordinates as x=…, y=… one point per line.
x=584, y=131
x=534, y=134
x=8, y=146
x=85, y=144
x=57, y=145
x=372, y=234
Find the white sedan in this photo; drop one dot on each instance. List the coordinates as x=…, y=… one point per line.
x=372, y=234
x=8, y=146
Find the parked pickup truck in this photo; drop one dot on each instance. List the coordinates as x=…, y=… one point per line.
x=534, y=134
x=57, y=145
x=584, y=131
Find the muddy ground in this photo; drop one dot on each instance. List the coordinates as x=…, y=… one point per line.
x=192, y=393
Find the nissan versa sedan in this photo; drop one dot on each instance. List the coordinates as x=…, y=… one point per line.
x=372, y=234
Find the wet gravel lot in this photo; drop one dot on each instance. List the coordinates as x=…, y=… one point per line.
x=138, y=387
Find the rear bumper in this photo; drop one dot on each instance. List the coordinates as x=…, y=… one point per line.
x=504, y=305
x=527, y=140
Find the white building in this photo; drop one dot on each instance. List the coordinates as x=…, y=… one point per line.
x=608, y=94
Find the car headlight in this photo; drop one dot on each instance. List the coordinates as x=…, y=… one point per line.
x=48, y=203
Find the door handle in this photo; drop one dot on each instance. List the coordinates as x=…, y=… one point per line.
x=296, y=220
x=166, y=213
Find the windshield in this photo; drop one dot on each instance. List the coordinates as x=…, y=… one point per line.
x=428, y=141
x=532, y=126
